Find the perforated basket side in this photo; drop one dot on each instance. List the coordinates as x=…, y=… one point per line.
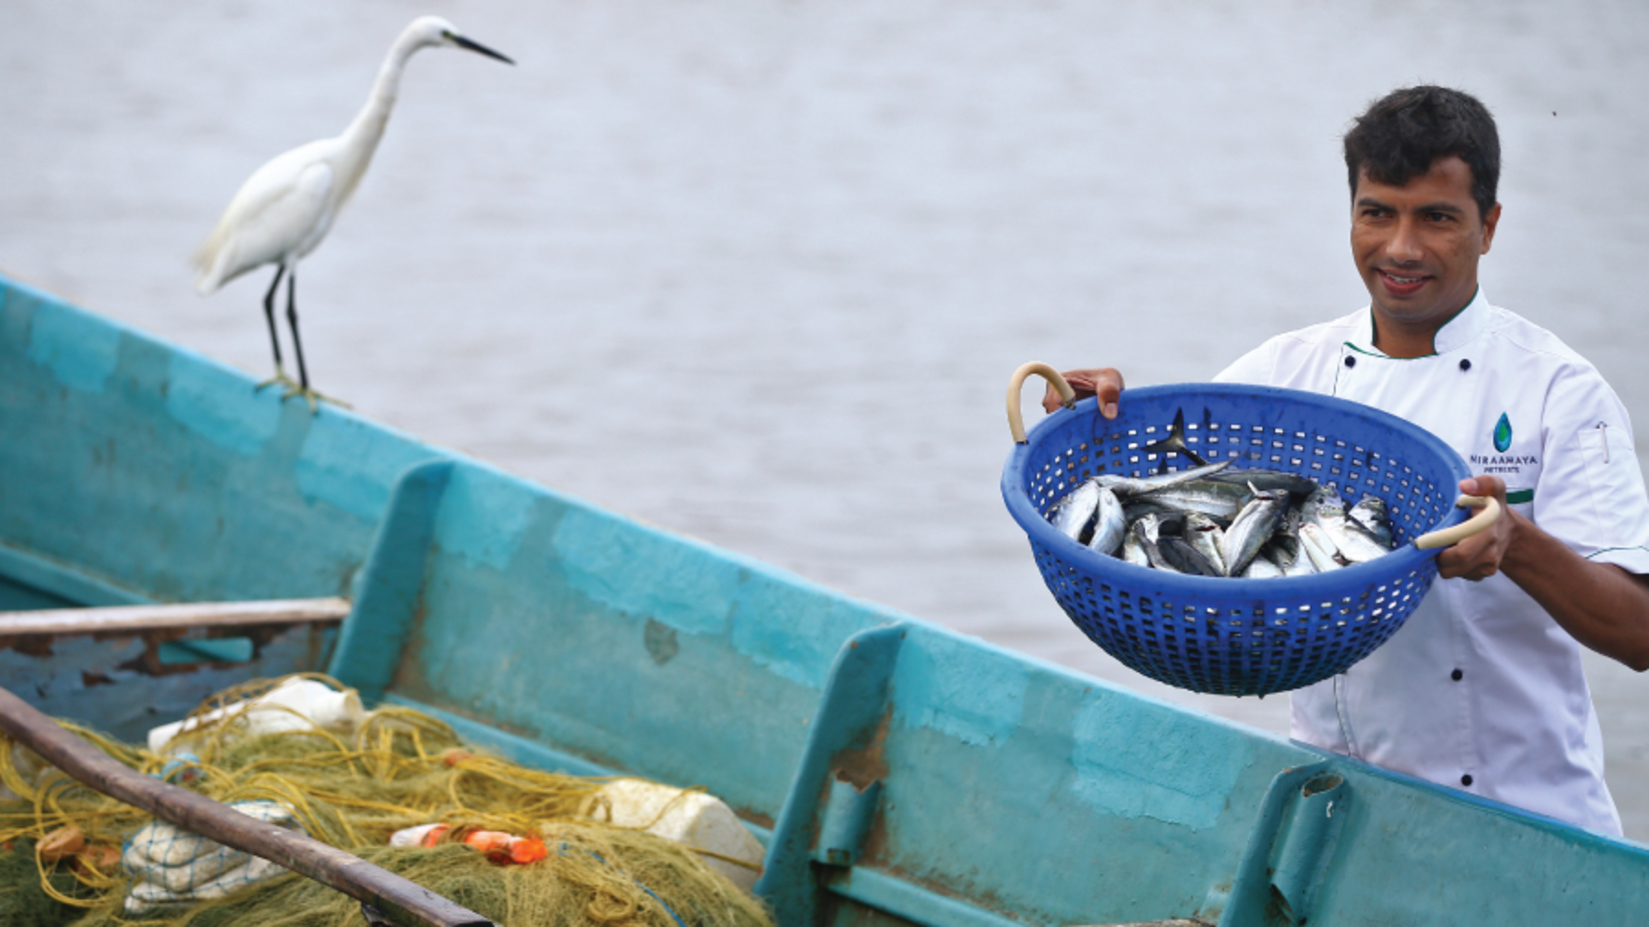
x=1267, y=643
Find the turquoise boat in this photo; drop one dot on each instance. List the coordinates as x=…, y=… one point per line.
x=897, y=773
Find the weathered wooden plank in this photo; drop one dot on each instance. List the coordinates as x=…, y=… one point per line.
x=404, y=902
x=138, y=618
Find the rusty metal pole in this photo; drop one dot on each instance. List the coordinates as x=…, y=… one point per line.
x=401, y=901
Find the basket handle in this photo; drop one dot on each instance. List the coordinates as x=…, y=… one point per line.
x=1016, y=421
x=1489, y=513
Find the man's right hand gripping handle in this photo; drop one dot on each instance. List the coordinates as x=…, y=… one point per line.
x=1104, y=382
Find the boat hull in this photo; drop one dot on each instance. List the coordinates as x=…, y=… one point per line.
x=897, y=772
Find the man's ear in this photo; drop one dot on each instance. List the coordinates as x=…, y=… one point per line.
x=1489, y=222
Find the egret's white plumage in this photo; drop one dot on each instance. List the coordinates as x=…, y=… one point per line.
x=284, y=210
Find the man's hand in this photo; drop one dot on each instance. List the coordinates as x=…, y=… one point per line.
x=1104, y=382
x=1478, y=557
x=1599, y=604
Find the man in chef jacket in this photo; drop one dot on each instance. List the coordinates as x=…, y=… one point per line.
x=1481, y=689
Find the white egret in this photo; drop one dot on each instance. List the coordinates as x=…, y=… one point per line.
x=287, y=206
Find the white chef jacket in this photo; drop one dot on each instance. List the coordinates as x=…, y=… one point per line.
x=1480, y=689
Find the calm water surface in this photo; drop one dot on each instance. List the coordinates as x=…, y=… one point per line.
x=758, y=271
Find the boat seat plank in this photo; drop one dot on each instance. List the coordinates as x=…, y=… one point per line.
x=1177, y=922
x=139, y=618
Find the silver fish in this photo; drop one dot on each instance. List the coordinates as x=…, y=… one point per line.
x=1318, y=548
x=1322, y=504
x=1185, y=558
x=1072, y=514
x=1295, y=485
x=1138, y=507
x=1325, y=509
x=1261, y=567
x=1357, y=545
x=1145, y=533
x=1219, y=501
x=1370, y=513
x=1109, y=523
x=1204, y=534
x=1129, y=486
x=1221, y=494
x=1251, y=529
x=1287, y=551
x=1133, y=549
x=1167, y=549
x=1284, y=548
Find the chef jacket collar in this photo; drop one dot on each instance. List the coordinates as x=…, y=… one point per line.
x=1456, y=333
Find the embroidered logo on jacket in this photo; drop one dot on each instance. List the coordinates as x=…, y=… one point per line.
x=1503, y=433
x=1502, y=463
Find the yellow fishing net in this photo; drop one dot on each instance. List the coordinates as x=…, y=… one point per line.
x=398, y=768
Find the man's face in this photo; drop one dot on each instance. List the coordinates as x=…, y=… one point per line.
x=1417, y=245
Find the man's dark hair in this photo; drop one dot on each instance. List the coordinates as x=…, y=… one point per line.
x=1404, y=132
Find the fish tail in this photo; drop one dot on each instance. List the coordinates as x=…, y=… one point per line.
x=1175, y=442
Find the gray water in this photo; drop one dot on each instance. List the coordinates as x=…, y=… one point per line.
x=757, y=271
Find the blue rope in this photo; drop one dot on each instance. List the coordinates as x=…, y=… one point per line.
x=673, y=915
x=660, y=901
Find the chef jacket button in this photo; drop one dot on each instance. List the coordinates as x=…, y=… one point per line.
x=1466, y=779
x=1465, y=364
x=1457, y=675
x=1351, y=361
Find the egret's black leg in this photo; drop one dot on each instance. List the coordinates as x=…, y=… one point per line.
x=301, y=388
x=292, y=320
x=269, y=313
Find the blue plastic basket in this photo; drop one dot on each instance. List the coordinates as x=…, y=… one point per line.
x=1225, y=635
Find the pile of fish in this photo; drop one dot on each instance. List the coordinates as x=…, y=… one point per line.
x=1211, y=520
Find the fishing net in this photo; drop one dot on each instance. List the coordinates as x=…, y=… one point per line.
x=23, y=902
x=397, y=769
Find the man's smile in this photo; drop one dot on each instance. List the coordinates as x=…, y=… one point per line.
x=1401, y=284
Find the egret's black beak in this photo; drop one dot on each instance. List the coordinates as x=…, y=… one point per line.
x=462, y=42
